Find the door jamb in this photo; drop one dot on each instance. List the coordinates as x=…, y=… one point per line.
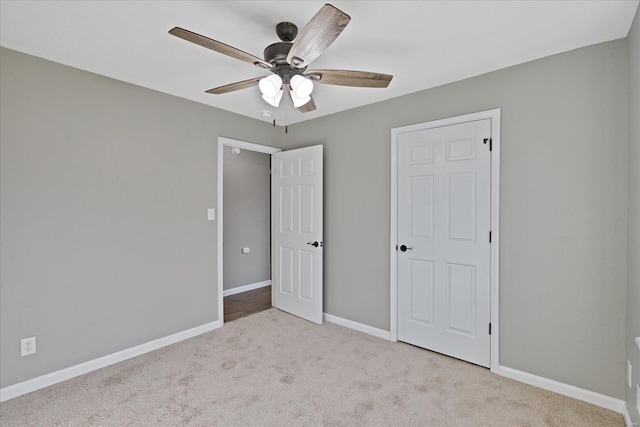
x=222, y=142
x=494, y=116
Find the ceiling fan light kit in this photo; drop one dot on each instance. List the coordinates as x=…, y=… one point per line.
x=288, y=60
x=299, y=101
x=270, y=85
x=273, y=100
x=301, y=86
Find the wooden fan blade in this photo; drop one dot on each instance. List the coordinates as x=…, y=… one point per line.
x=317, y=35
x=235, y=86
x=309, y=106
x=218, y=47
x=350, y=78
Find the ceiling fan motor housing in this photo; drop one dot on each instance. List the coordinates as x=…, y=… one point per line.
x=276, y=54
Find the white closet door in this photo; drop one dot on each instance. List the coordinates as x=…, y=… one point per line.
x=444, y=213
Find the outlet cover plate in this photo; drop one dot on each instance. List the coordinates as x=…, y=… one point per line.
x=27, y=346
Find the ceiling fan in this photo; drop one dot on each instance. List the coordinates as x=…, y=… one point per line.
x=288, y=60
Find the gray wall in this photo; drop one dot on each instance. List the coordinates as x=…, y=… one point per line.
x=104, y=194
x=105, y=185
x=247, y=218
x=563, y=208
x=633, y=248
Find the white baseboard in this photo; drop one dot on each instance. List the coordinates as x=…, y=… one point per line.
x=15, y=390
x=594, y=398
x=357, y=326
x=246, y=288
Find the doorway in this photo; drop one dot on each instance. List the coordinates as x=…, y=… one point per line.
x=296, y=226
x=444, y=236
x=245, y=248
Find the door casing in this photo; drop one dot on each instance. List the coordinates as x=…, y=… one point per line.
x=494, y=116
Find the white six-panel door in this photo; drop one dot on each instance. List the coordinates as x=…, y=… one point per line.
x=297, y=197
x=444, y=217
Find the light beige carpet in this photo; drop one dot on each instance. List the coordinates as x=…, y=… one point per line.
x=275, y=369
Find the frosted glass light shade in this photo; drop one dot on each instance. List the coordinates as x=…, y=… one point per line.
x=273, y=100
x=270, y=85
x=299, y=101
x=301, y=86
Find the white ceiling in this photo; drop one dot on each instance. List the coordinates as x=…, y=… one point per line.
x=421, y=43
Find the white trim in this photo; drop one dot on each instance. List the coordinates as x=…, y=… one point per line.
x=248, y=145
x=626, y=415
x=222, y=141
x=588, y=396
x=393, y=278
x=380, y=333
x=495, y=239
x=246, y=288
x=55, y=377
x=494, y=116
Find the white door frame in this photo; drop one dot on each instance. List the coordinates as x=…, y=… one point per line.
x=494, y=116
x=222, y=142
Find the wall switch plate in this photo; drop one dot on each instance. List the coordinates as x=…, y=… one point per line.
x=211, y=214
x=27, y=346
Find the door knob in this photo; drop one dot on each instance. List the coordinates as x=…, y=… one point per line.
x=405, y=248
x=316, y=244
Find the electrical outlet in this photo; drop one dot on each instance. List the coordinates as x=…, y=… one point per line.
x=27, y=346
x=629, y=368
